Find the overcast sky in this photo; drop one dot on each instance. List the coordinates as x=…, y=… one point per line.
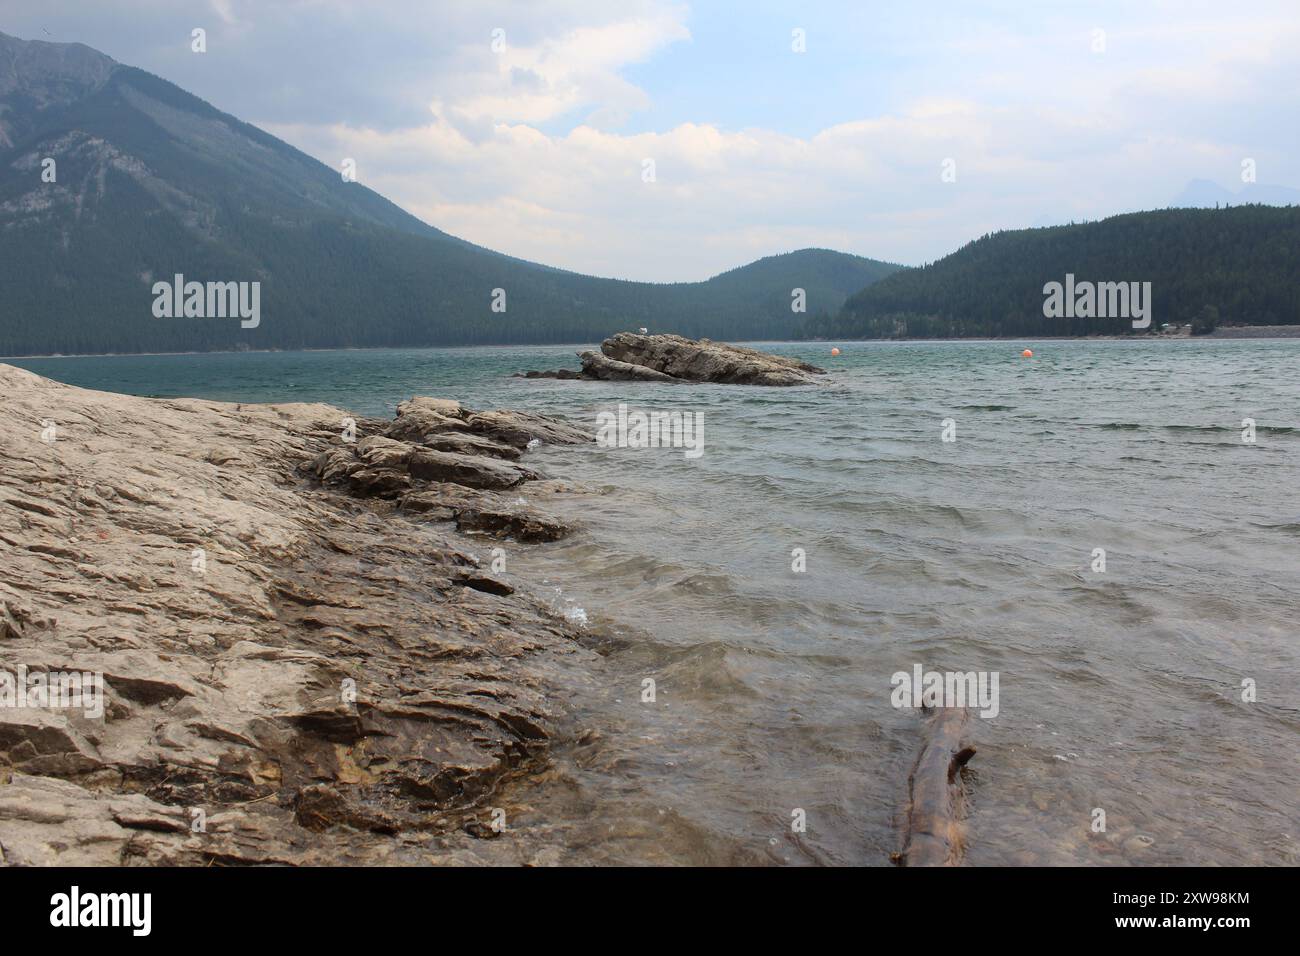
x=538, y=149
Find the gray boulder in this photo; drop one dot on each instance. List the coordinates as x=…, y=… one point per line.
x=597, y=365
x=700, y=360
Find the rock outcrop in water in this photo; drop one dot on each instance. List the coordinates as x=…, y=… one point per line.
x=600, y=366
x=303, y=662
x=632, y=357
x=705, y=361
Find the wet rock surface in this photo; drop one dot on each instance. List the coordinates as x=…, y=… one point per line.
x=304, y=661
x=565, y=373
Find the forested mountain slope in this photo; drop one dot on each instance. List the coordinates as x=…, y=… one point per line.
x=1239, y=265
x=149, y=182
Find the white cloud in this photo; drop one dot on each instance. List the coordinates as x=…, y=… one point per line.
x=532, y=151
x=1040, y=128
x=580, y=68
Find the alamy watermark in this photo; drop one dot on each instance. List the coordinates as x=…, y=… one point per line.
x=639, y=429
x=208, y=300
x=75, y=908
x=82, y=690
x=977, y=689
x=1098, y=300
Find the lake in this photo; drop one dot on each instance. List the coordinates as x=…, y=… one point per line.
x=1098, y=531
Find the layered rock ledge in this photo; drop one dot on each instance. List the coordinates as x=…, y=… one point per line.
x=630, y=356
x=305, y=661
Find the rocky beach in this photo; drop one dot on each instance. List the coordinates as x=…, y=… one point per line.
x=306, y=657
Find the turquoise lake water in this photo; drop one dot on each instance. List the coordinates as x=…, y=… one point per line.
x=1119, y=689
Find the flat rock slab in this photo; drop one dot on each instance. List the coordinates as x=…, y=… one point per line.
x=467, y=443
x=469, y=470
x=598, y=365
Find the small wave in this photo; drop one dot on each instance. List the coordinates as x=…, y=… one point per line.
x=1290, y=527
x=1259, y=429
x=1195, y=429
x=1113, y=596
x=703, y=583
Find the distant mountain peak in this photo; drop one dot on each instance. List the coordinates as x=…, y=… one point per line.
x=34, y=65
x=36, y=76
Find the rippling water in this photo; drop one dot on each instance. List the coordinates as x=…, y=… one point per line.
x=1119, y=690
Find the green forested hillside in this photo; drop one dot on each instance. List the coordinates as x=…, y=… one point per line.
x=151, y=181
x=1240, y=265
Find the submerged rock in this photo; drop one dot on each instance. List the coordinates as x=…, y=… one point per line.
x=564, y=373
x=300, y=666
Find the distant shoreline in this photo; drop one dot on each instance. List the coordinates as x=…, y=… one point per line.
x=1228, y=332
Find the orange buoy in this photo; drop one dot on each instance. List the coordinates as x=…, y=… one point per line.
x=835, y=351
x=1027, y=353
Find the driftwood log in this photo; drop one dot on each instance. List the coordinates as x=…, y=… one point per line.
x=935, y=834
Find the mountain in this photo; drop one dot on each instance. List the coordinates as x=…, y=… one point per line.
x=150, y=181
x=1239, y=261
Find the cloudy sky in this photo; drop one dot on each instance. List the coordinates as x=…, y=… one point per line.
x=536, y=146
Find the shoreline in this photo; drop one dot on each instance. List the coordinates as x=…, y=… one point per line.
x=1221, y=334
